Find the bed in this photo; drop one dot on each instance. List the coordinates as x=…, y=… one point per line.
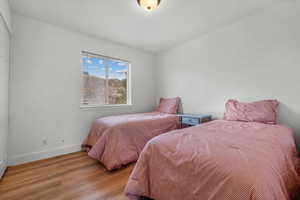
x=118, y=140
x=219, y=160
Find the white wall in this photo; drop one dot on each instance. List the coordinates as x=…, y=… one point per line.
x=45, y=88
x=4, y=77
x=255, y=58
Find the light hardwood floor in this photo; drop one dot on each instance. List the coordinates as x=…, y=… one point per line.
x=73, y=176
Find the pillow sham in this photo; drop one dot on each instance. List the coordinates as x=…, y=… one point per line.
x=261, y=111
x=169, y=106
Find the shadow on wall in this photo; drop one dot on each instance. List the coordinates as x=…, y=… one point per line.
x=289, y=117
x=180, y=107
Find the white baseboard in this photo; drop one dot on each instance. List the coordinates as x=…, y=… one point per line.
x=3, y=165
x=34, y=156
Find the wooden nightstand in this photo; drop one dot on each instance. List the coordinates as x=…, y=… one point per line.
x=193, y=119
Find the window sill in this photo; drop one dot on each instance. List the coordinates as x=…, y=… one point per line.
x=104, y=106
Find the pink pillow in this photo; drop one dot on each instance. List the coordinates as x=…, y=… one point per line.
x=169, y=106
x=261, y=111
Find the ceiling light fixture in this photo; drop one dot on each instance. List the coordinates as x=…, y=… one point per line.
x=149, y=5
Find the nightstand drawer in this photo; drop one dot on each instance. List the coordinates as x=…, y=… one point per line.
x=190, y=121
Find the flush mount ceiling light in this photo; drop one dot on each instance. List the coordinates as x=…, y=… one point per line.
x=149, y=5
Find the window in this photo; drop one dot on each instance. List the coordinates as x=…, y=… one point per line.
x=105, y=81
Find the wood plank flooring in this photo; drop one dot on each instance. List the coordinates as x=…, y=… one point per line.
x=73, y=176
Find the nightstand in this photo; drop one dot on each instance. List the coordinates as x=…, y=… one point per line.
x=193, y=119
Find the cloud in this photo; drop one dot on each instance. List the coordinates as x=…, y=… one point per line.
x=122, y=64
x=122, y=71
x=93, y=67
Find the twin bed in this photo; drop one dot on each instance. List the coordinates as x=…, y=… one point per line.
x=219, y=160
x=247, y=156
x=118, y=140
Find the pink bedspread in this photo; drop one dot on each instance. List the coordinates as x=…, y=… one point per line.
x=220, y=160
x=118, y=140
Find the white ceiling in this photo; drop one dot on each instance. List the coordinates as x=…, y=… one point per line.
x=122, y=21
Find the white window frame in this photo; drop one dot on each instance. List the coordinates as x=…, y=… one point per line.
x=129, y=96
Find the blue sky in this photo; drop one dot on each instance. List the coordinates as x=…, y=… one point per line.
x=95, y=66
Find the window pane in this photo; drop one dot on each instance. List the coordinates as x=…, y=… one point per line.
x=118, y=75
x=93, y=77
x=104, y=80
